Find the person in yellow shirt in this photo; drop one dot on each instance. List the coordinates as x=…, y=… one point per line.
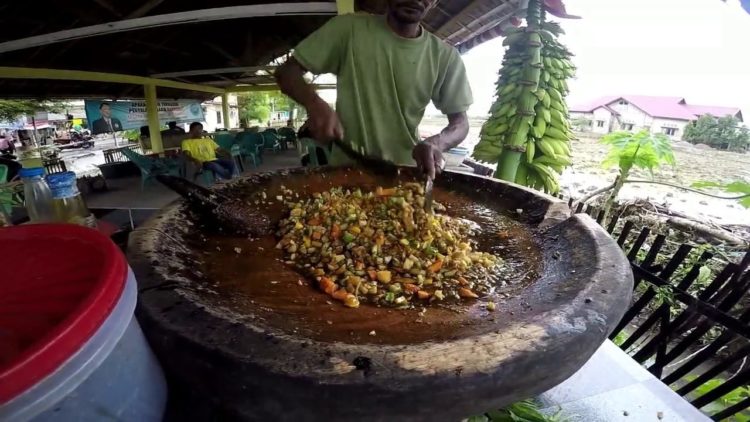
x=203, y=151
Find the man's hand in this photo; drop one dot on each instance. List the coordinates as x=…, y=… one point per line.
x=428, y=156
x=429, y=153
x=323, y=122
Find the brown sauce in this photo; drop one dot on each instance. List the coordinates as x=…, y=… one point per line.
x=251, y=280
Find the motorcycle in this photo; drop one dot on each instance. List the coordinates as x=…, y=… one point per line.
x=82, y=139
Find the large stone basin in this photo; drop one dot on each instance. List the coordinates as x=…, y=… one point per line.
x=227, y=318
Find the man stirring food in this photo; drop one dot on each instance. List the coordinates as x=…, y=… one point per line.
x=388, y=69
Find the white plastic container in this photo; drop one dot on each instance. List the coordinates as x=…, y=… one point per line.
x=113, y=375
x=454, y=157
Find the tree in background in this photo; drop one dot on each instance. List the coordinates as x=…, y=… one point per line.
x=279, y=101
x=11, y=110
x=254, y=107
x=720, y=133
x=257, y=106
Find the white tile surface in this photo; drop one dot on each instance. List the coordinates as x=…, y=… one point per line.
x=613, y=387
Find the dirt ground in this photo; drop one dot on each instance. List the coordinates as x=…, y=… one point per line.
x=693, y=164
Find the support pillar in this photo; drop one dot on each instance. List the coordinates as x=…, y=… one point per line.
x=152, y=113
x=345, y=6
x=225, y=111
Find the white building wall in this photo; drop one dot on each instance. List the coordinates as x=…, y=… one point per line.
x=630, y=114
x=660, y=125
x=214, y=118
x=601, y=120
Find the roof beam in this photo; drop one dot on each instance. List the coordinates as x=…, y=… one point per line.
x=219, y=70
x=274, y=87
x=489, y=23
x=180, y=18
x=81, y=75
x=144, y=8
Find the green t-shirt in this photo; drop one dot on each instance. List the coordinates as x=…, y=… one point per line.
x=385, y=82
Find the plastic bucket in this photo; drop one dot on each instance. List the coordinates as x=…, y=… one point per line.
x=455, y=156
x=70, y=348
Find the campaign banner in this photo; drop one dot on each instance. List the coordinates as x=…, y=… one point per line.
x=114, y=116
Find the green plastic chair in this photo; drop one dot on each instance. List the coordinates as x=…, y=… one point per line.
x=251, y=146
x=288, y=134
x=225, y=140
x=308, y=145
x=150, y=167
x=271, y=140
x=228, y=141
x=6, y=198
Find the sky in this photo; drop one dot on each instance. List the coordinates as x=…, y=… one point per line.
x=696, y=49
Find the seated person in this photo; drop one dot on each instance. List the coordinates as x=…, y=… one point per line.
x=174, y=128
x=203, y=151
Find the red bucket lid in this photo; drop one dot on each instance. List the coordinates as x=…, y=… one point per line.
x=58, y=283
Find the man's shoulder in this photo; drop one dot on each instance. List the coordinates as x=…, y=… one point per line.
x=439, y=44
x=353, y=20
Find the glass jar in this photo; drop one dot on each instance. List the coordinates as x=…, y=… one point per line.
x=67, y=202
x=37, y=195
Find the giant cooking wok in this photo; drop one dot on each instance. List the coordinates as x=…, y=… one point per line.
x=228, y=318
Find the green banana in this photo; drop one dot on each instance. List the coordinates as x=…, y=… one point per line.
x=530, y=150
x=507, y=89
x=554, y=94
x=540, y=126
x=497, y=130
x=545, y=146
x=554, y=133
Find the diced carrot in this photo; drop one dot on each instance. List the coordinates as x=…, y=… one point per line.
x=436, y=266
x=373, y=274
x=411, y=288
x=359, y=265
x=327, y=285
x=313, y=221
x=316, y=235
x=462, y=281
x=340, y=294
x=464, y=292
x=423, y=294
x=335, y=231
x=379, y=191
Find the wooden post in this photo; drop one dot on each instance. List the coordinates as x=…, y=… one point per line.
x=152, y=112
x=345, y=6
x=225, y=110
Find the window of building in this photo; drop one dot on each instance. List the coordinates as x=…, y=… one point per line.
x=600, y=123
x=669, y=131
x=218, y=117
x=622, y=102
x=627, y=126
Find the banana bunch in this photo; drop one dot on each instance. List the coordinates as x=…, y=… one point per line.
x=530, y=116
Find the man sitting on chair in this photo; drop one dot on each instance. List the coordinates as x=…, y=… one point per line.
x=203, y=151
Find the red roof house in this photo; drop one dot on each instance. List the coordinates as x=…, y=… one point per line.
x=668, y=115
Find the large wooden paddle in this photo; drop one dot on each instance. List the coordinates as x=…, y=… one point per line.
x=233, y=215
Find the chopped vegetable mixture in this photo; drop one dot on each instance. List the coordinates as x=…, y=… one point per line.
x=382, y=247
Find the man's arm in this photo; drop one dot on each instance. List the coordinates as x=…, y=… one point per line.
x=453, y=134
x=323, y=121
x=321, y=52
x=429, y=154
x=452, y=96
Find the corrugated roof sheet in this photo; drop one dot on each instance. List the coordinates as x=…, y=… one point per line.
x=664, y=107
